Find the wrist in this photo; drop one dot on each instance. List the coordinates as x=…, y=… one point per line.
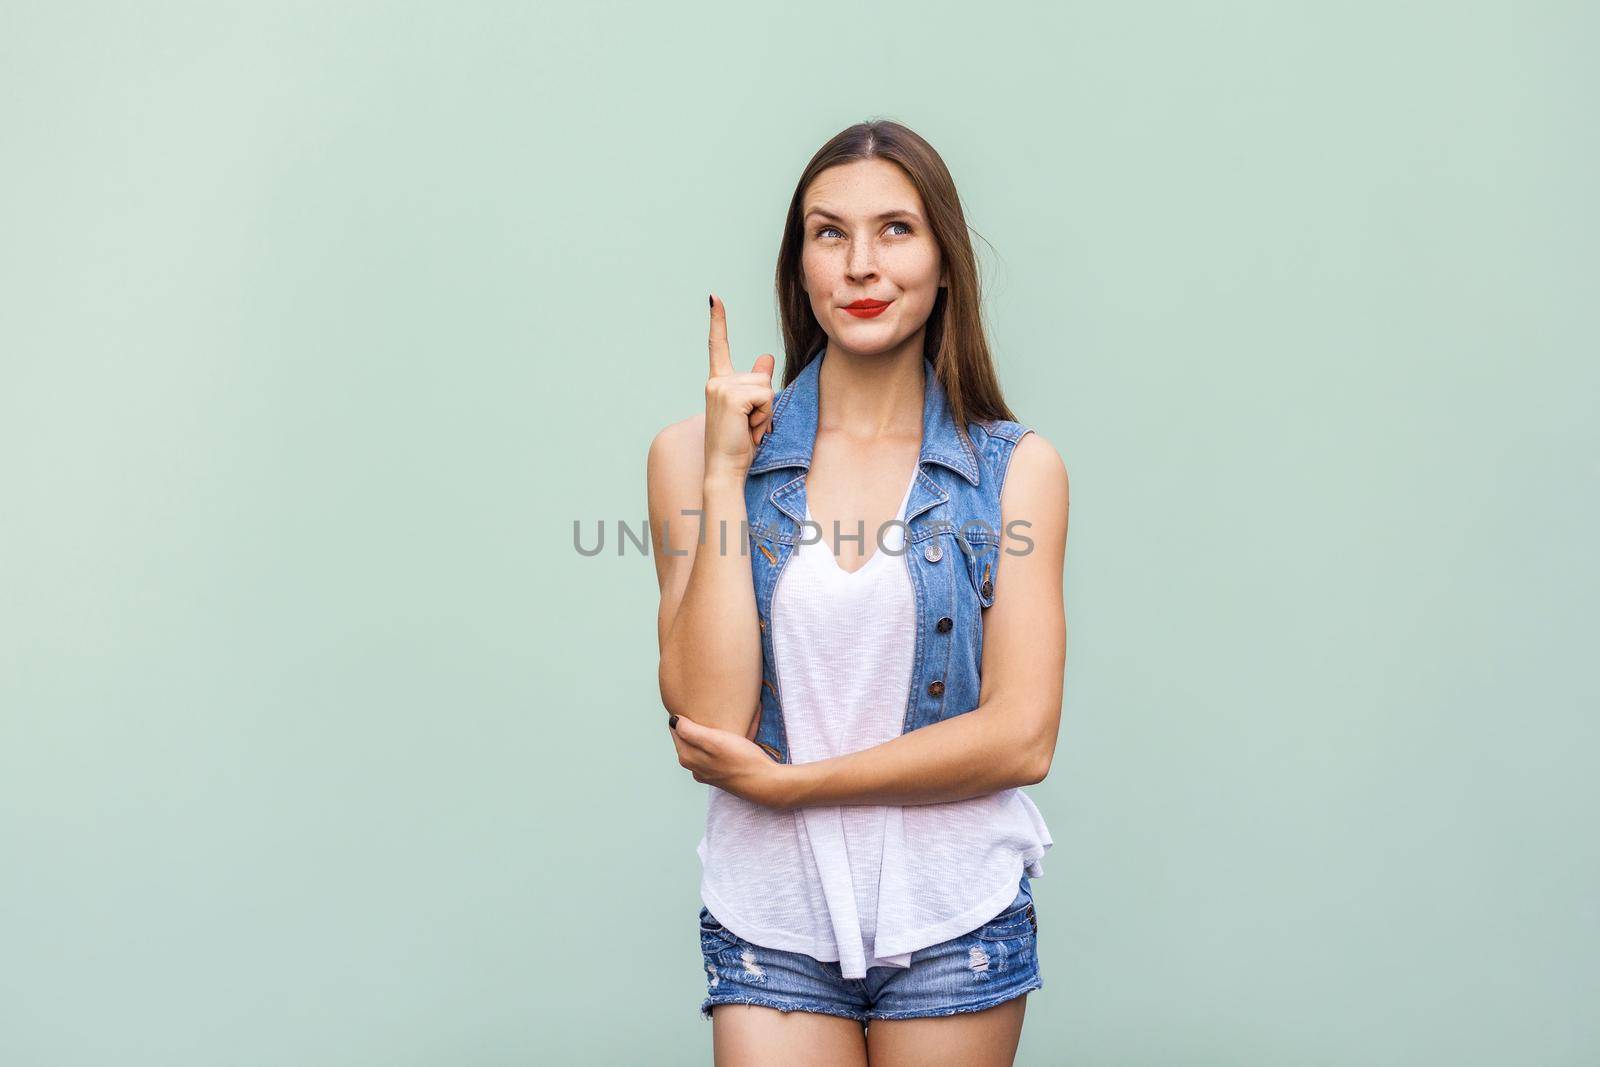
x=794, y=784
x=723, y=478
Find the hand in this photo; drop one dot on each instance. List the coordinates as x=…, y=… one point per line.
x=730, y=762
x=738, y=406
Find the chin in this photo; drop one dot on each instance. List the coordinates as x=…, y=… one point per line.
x=867, y=342
x=870, y=335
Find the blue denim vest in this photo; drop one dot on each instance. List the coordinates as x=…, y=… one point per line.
x=953, y=543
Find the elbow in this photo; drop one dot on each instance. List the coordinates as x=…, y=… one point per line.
x=672, y=694
x=1038, y=750
x=710, y=705
x=1036, y=768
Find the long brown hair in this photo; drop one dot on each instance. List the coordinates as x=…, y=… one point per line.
x=955, y=339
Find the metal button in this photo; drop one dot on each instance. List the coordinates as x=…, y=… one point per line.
x=935, y=688
x=987, y=588
x=945, y=624
x=933, y=552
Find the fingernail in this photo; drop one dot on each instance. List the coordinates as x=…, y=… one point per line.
x=672, y=723
x=711, y=301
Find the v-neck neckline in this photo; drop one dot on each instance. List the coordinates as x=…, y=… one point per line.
x=877, y=549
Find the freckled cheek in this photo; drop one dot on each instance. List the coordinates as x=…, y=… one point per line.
x=821, y=278
x=911, y=268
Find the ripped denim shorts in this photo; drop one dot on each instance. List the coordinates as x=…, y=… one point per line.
x=976, y=970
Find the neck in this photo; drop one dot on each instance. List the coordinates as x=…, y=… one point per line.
x=872, y=395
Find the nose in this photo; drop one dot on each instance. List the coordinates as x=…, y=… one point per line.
x=863, y=262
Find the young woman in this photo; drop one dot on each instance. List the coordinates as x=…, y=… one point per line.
x=865, y=704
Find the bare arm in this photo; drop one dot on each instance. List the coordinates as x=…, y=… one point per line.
x=706, y=627
x=1009, y=739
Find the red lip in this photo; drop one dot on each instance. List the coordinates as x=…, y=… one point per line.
x=866, y=309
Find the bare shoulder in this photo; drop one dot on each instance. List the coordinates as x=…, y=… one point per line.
x=1035, y=497
x=678, y=445
x=1037, y=476
x=676, y=463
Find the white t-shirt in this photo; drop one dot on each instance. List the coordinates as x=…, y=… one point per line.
x=866, y=885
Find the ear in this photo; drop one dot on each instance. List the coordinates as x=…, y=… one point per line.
x=944, y=277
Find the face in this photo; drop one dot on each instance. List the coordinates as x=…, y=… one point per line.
x=866, y=240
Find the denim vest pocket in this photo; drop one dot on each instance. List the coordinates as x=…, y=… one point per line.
x=983, y=556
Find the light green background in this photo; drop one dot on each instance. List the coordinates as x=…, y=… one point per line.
x=322, y=323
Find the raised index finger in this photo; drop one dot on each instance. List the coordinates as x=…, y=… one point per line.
x=721, y=361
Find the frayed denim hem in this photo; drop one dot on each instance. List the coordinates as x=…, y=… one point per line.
x=780, y=1005
x=980, y=1006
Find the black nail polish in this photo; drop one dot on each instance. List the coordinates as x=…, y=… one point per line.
x=672, y=723
x=711, y=301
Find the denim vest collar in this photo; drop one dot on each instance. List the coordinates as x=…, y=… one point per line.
x=793, y=433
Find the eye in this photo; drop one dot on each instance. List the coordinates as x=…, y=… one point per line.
x=907, y=225
x=825, y=229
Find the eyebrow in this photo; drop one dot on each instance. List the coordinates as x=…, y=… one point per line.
x=896, y=213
